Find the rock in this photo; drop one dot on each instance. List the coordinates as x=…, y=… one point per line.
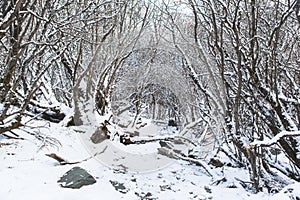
x=119, y=187
x=165, y=187
x=216, y=162
x=100, y=135
x=232, y=186
x=166, y=144
x=166, y=152
x=207, y=189
x=275, y=151
x=75, y=178
x=172, y=123
x=178, y=141
x=147, y=196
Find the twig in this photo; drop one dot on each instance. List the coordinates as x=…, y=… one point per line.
x=12, y=137
x=63, y=161
x=36, y=116
x=127, y=140
x=172, y=154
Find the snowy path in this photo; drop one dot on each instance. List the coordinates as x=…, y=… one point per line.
x=26, y=173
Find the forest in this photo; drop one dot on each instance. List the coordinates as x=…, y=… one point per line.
x=222, y=75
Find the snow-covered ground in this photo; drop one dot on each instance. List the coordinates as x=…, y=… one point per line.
x=27, y=173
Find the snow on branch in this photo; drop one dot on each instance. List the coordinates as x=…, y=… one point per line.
x=274, y=140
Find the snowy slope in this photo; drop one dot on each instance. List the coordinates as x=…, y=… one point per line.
x=26, y=173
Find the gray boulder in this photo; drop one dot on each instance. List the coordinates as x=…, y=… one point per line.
x=75, y=178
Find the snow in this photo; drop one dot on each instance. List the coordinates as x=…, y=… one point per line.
x=274, y=140
x=6, y=17
x=26, y=173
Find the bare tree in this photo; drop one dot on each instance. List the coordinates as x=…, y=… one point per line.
x=118, y=41
x=254, y=45
x=45, y=45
